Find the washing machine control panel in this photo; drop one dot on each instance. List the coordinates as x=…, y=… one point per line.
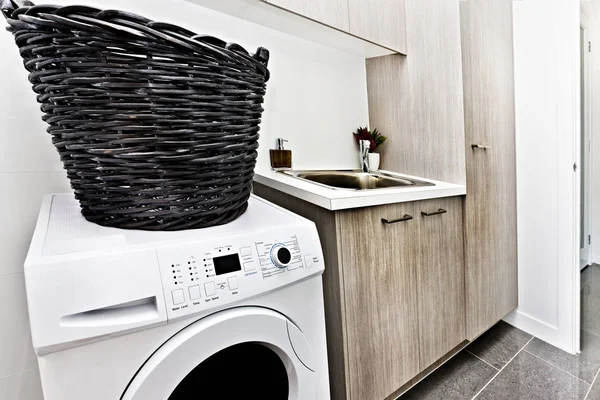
x=198, y=277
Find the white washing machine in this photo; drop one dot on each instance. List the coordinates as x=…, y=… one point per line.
x=229, y=312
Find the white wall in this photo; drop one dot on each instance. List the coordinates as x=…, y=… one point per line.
x=546, y=40
x=316, y=98
x=29, y=167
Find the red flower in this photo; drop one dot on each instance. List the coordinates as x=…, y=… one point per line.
x=365, y=134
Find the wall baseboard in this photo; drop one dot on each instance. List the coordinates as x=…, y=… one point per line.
x=541, y=330
x=596, y=258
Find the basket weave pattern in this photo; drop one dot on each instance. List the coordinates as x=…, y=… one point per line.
x=156, y=126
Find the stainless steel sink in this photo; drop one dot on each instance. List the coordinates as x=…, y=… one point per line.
x=356, y=180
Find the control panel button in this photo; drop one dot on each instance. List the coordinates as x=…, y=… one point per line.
x=210, y=289
x=246, y=251
x=178, y=296
x=308, y=262
x=249, y=266
x=233, y=283
x=281, y=256
x=194, y=292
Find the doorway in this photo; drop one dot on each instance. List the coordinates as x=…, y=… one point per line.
x=585, y=237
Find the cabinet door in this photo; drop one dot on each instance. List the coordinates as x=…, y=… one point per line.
x=379, y=21
x=329, y=12
x=378, y=263
x=491, y=209
x=440, y=278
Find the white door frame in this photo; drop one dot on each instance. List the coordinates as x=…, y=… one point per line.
x=547, y=91
x=584, y=21
x=586, y=252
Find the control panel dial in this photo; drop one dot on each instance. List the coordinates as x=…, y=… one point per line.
x=280, y=255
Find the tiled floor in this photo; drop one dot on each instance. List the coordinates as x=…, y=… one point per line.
x=507, y=363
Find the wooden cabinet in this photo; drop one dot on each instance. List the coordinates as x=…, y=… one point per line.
x=491, y=210
x=394, y=292
x=379, y=269
x=404, y=283
x=330, y=12
x=379, y=21
x=417, y=101
x=440, y=278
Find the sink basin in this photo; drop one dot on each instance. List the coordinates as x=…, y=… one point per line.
x=356, y=180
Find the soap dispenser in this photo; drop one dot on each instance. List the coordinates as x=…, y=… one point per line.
x=280, y=158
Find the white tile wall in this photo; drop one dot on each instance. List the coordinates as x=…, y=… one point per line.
x=29, y=168
x=316, y=98
x=16, y=353
x=25, y=144
x=21, y=197
x=23, y=385
x=22, y=193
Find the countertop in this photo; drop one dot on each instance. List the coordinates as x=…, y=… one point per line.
x=333, y=199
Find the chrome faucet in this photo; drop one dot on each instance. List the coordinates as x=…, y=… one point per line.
x=364, y=145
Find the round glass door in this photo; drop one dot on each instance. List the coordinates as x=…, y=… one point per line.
x=257, y=371
x=242, y=353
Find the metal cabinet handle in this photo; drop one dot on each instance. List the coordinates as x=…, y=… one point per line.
x=480, y=146
x=405, y=217
x=439, y=211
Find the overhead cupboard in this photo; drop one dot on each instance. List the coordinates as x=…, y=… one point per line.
x=368, y=28
x=378, y=21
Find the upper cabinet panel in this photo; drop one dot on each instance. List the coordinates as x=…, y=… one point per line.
x=326, y=22
x=379, y=21
x=330, y=12
x=418, y=99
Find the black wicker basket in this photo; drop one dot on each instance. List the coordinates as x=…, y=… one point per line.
x=156, y=126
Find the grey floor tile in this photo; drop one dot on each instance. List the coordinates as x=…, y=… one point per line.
x=591, y=289
x=585, y=275
x=528, y=377
x=578, y=365
x=592, y=283
x=595, y=391
x=590, y=301
x=590, y=346
x=460, y=378
x=590, y=309
x=499, y=344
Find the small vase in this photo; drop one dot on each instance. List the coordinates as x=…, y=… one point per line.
x=374, y=161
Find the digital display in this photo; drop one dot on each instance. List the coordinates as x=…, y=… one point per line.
x=227, y=264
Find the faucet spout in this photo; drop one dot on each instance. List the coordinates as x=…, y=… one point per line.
x=364, y=146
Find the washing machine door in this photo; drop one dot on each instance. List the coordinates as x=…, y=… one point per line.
x=246, y=352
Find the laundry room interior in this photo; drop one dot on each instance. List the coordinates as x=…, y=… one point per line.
x=304, y=200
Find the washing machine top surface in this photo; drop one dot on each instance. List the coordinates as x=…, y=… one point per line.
x=67, y=231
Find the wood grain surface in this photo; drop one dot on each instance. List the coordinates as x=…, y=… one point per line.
x=417, y=100
x=378, y=264
x=491, y=209
x=330, y=12
x=440, y=279
x=394, y=293
x=379, y=21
